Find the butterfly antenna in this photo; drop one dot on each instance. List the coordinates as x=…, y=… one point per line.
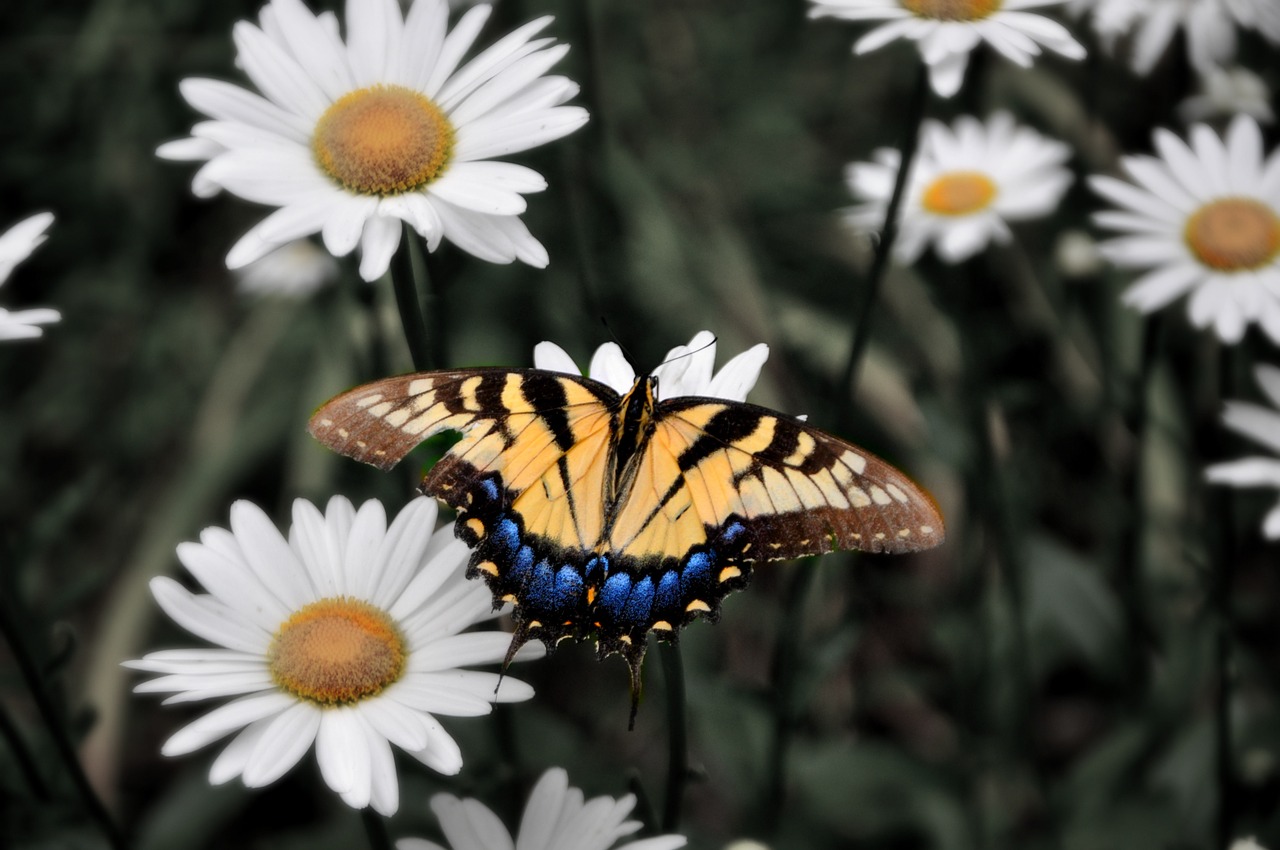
x=691, y=352
x=617, y=340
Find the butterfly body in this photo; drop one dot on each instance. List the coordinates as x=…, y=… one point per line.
x=604, y=515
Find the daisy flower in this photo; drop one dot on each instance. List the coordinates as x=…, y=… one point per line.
x=294, y=270
x=1210, y=26
x=556, y=818
x=1262, y=425
x=349, y=139
x=16, y=244
x=947, y=30
x=966, y=182
x=1201, y=219
x=346, y=635
x=1228, y=92
x=687, y=370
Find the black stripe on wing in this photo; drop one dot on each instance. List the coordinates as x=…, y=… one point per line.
x=798, y=490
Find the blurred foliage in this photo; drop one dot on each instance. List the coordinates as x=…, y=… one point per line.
x=1045, y=680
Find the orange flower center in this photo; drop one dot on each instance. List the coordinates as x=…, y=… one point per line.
x=336, y=652
x=1234, y=234
x=959, y=193
x=952, y=10
x=383, y=140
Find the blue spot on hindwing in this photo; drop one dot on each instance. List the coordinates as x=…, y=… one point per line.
x=506, y=535
x=614, y=594
x=569, y=589
x=597, y=569
x=695, y=577
x=668, y=596
x=639, y=605
x=732, y=532
x=490, y=488
x=521, y=566
x=540, y=591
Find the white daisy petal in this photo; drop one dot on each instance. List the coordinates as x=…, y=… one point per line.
x=1262, y=425
x=286, y=739
x=207, y=618
x=442, y=754
x=361, y=567
x=234, y=756
x=277, y=74
x=552, y=358
x=340, y=752
x=373, y=39
x=1268, y=378
x=490, y=62
x=318, y=51
x=609, y=366
x=455, y=46
x=378, y=243
x=425, y=26
x=225, y=720
x=384, y=786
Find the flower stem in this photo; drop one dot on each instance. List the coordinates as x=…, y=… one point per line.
x=375, y=828
x=786, y=654
x=677, y=740
x=412, y=278
x=1130, y=568
x=1222, y=581
x=57, y=729
x=915, y=111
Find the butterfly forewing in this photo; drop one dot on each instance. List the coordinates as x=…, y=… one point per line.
x=797, y=490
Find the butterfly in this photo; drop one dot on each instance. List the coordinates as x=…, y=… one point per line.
x=611, y=515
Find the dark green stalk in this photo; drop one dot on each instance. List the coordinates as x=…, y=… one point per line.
x=1222, y=581
x=57, y=729
x=786, y=659
x=991, y=497
x=412, y=278
x=677, y=735
x=1132, y=555
x=375, y=828
x=915, y=111
x=22, y=755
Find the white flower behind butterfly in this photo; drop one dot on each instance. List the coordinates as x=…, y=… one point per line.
x=687, y=370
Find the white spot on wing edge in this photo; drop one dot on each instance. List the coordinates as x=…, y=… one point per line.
x=854, y=461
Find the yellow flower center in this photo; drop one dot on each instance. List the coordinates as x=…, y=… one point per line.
x=952, y=10
x=336, y=652
x=1234, y=234
x=383, y=140
x=959, y=193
